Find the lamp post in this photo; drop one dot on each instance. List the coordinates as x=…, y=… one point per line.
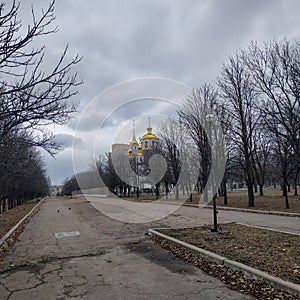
x=138, y=160
x=210, y=118
x=138, y=178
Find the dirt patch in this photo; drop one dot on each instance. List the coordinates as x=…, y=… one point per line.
x=155, y=254
x=275, y=253
x=142, y=198
x=233, y=279
x=11, y=217
x=272, y=200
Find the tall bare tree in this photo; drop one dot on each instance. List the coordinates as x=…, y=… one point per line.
x=179, y=151
x=237, y=98
x=261, y=156
x=193, y=116
x=275, y=69
x=30, y=96
x=23, y=174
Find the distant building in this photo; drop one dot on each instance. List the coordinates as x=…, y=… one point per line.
x=55, y=190
x=120, y=148
x=138, y=154
x=147, y=142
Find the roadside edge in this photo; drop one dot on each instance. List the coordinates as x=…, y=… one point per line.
x=15, y=227
x=276, y=282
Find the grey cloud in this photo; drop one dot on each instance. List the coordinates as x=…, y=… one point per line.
x=185, y=40
x=88, y=122
x=61, y=167
x=136, y=108
x=66, y=140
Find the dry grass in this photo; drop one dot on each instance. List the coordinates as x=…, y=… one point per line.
x=275, y=253
x=142, y=198
x=272, y=200
x=235, y=280
x=11, y=217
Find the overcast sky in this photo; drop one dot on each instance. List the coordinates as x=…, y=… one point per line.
x=183, y=40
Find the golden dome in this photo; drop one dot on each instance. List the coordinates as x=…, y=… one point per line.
x=140, y=150
x=149, y=134
x=129, y=151
x=134, y=141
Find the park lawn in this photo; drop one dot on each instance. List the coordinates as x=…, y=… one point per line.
x=142, y=198
x=271, y=201
x=272, y=252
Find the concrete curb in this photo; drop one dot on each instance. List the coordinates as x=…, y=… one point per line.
x=266, y=212
x=276, y=282
x=10, y=232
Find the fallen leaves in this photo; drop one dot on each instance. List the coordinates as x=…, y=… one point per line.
x=275, y=253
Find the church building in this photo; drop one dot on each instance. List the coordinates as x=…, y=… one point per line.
x=147, y=142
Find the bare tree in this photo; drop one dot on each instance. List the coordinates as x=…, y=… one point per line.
x=282, y=149
x=232, y=166
x=238, y=97
x=23, y=174
x=275, y=69
x=70, y=185
x=29, y=96
x=260, y=155
x=193, y=116
x=178, y=149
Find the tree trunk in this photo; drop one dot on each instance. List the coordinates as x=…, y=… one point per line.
x=176, y=192
x=225, y=192
x=205, y=196
x=283, y=190
x=3, y=204
x=295, y=182
x=129, y=191
x=157, y=190
x=255, y=188
x=261, y=190
x=286, y=198
x=250, y=195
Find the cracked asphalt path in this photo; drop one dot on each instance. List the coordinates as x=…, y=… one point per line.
x=109, y=260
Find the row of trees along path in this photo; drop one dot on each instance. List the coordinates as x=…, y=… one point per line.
x=32, y=96
x=256, y=99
